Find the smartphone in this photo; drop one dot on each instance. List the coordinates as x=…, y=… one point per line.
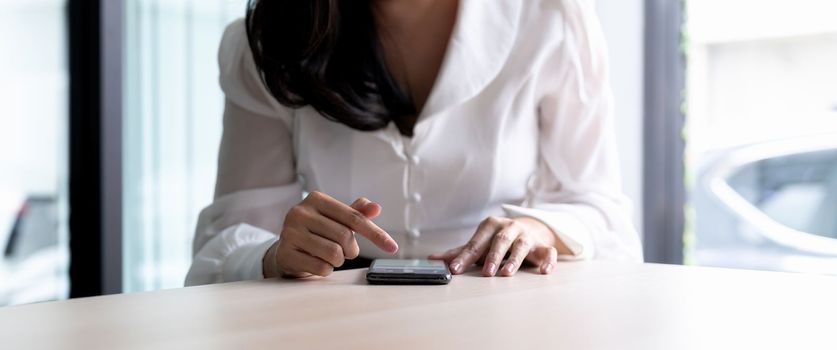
x=414, y=271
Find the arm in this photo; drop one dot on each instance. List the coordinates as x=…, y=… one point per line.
x=574, y=208
x=256, y=183
x=258, y=198
x=577, y=191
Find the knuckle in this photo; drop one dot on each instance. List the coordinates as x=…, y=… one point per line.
x=512, y=224
x=523, y=241
x=351, y=253
x=296, y=212
x=293, y=212
x=504, y=237
x=552, y=254
x=356, y=219
x=345, y=237
x=483, y=224
x=471, y=248
x=335, y=253
x=323, y=269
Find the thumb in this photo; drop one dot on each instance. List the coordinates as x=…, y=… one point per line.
x=368, y=208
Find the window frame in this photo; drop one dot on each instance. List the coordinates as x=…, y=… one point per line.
x=95, y=146
x=664, y=189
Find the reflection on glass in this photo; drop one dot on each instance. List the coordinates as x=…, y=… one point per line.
x=762, y=134
x=33, y=152
x=172, y=127
x=798, y=190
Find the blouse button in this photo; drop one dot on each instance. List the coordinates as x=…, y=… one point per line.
x=414, y=233
x=415, y=197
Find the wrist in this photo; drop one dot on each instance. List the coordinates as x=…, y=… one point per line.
x=270, y=267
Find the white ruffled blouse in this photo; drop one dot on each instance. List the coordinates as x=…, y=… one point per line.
x=518, y=123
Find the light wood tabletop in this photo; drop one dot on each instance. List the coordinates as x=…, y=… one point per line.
x=590, y=305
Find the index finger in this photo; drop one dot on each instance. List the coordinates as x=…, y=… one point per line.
x=354, y=220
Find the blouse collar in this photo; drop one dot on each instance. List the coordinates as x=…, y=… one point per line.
x=480, y=44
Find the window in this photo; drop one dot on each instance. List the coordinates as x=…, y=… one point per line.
x=761, y=130
x=172, y=127
x=33, y=157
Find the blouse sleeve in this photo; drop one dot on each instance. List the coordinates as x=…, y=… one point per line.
x=576, y=190
x=256, y=182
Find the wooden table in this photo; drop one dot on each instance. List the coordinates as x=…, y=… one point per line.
x=594, y=305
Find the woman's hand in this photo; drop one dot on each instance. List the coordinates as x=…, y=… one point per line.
x=525, y=239
x=318, y=235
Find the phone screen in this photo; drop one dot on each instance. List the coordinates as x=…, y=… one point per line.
x=410, y=271
x=408, y=266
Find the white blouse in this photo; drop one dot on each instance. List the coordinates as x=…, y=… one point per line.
x=518, y=123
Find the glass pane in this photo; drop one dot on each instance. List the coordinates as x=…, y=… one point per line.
x=172, y=127
x=33, y=152
x=762, y=134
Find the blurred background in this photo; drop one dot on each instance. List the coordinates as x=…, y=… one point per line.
x=726, y=121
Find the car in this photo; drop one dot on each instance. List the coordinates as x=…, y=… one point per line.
x=34, y=261
x=770, y=206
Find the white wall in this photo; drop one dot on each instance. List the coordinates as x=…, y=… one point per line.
x=623, y=23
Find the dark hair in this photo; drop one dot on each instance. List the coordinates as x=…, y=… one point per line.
x=327, y=54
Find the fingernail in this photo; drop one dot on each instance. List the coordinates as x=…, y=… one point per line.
x=492, y=269
x=454, y=267
x=548, y=268
x=392, y=247
x=359, y=203
x=509, y=267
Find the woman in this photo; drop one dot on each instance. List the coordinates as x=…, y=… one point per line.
x=461, y=130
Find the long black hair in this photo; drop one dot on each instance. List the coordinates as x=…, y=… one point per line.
x=327, y=54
